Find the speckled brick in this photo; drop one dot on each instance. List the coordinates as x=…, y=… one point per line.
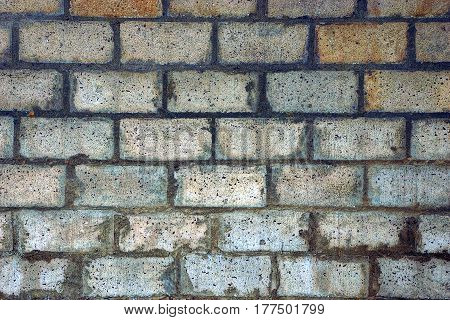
x=260, y=139
x=32, y=185
x=174, y=42
x=432, y=42
x=318, y=185
x=212, y=8
x=44, y=7
x=314, y=277
x=412, y=279
x=66, y=41
x=6, y=137
x=62, y=138
x=268, y=230
x=410, y=8
x=434, y=231
x=165, y=139
x=359, y=139
x=430, y=139
x=261, y=42
x=116, y=91
x=168, y=231
x=6, y=231
x=220, y=186
x=24, y=90
x=313, y=91
x=311, y=8
x=128, y=277
x=72, y=231
x=362, y=42
x=116, y=8
x=5, y=43
x=406, y=91
x=212, y=91
x=218, y=275
x=409, y=186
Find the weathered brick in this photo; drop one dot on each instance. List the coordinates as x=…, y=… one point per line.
x=174, y=42
x=165, y=139
x=116, y=8
x=66, y=41
x=218, y=275
x=359, y=139
x=409, y=186
x=318, y=185
x=31, y=6
x=32, y=185
x=262, y=42
x=412, y=279
x=5, y=43
x=406, y=91
x=6, y=231
x=167, y=231
x=220, y=186
x=311, y=8
x=116, y=92
x=121, y=186
x=432, y=41
x=66, y=137
x=362, y=43
x=6, y=137
x=313, y=277
x=260, y=139
x=434, y=233
x=430, y=139
x=65, y=231
x=24, y=90
x=128, y=277
x=268, y=230
x=212, y=8
x=313, y=91
x=410, y=8
x=211, y=91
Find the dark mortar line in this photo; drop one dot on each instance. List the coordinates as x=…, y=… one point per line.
x=213, y=130
x=309, y=138
x=66, y=9
x=15, y=232
x=16, y=140
x=411, y=44
x=313, y=227
x=264, y=108
x=373, y=277
x=171, y=184
x=262, y=9
x=361, y=93
x=408, y=137
x=116, y=140
x=214, y=41
x=70, y=178
x=14, y=50
x=117, y=44
x=269, y=186
x=365, y=186
x=66, y=92
x=311, y=47
x=361, y=9
x=214, y=233
x=163, y=110
x=165, y=8
x=274, y=277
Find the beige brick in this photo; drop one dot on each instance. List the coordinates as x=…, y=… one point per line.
x=434, y=231
x=31, y=6
x=5, y=43
x=433, y=42
x=6, y=137
x=6, y=231
x=212, y=8
x=430, y=139
x=116, y=8
x=311, y=8
x=410, y=8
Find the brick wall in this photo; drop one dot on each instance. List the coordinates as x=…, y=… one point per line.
x=224, y=148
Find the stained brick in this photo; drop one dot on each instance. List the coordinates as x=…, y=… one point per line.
x=212, y=8
x=311, y=8
x=6, y=137
x=410, y=8
x=116, y=8
x=5, y=43
x=430, y=139
x=31, y=6
x=432, y=41
x=6, y=231
x=434, y=233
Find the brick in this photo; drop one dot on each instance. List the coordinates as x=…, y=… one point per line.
x=434, y=233
x=66, y=137
x=72, y=231
x=362, y=43
x=66, y=41
x=24, y=90
x=121, y=186
x=128, y=277
x=430, y=139
x=6, y=137
x=168, y=231
x=412, y=279
x=410, y=8
x=311, y=8
x=32, y=185
x=211, y=91
x=173, y=42
x=370, y=230
x=405, y=91
x=359, y=139
x=220, y=186
x=45, y=7
x=268, y=230
x=318, y=185
x=6, y=231
x=432, y=42
x=218, y=275
x=313, y=277
x=260, y=139
x=116, y=8
x=5, y=43
x=212, y=8
x=262, y=42
x=165, y=139
x=409, y=186
x=116, y=92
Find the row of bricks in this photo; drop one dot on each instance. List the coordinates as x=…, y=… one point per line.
x=235, y=139
x=238, y=42
x=233, y=8
x=225, y=92
x=226, y=186
x=227, y=276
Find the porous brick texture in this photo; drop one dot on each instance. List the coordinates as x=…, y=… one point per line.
x=224, y=149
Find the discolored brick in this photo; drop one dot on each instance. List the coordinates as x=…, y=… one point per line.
x=433, y=42
x=410, y=8
x=430, y=139
x=116, y=8
x=45, y=7
x=434, y=230
x=311, y=8
x=6, y=137
x=212, y=8
x=6, y=231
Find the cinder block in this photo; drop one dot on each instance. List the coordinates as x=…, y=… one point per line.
x=434, y=231
x=410, y=8
x=311, y=8
x=6, y=137
x=430, y=139
x=212, y=8
x=6, y=231
x=45, y=7
x=432, y=41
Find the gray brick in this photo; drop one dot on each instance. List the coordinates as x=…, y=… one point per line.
x=6, y=137
x=434, y=233
x=410, y=8
x=311, y=8
x=430, y=139
x=432, y=41
x=45, y=7
x=212, y=8
x=5, y=43
x=6, y=231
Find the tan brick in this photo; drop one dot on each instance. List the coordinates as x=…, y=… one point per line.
x=31, y=6
x=6, y=231
x=433, y=42
x=362, y=43
x=6, y=137
x=311, y=8
x=116, y=8
x=5, y=43
x=404, y=91
x=430, y=139
x=212, y=8
x=410, y=8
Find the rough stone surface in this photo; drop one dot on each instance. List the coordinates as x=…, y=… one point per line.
x=311, y=8
x=6, y=231
x=45, y=7
x=434, y=233
x=6, y=137
x=430, y=139
x=5, y=43
x=432, y=42
x=116, y=8
x=410, y=8
x=212, y=8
